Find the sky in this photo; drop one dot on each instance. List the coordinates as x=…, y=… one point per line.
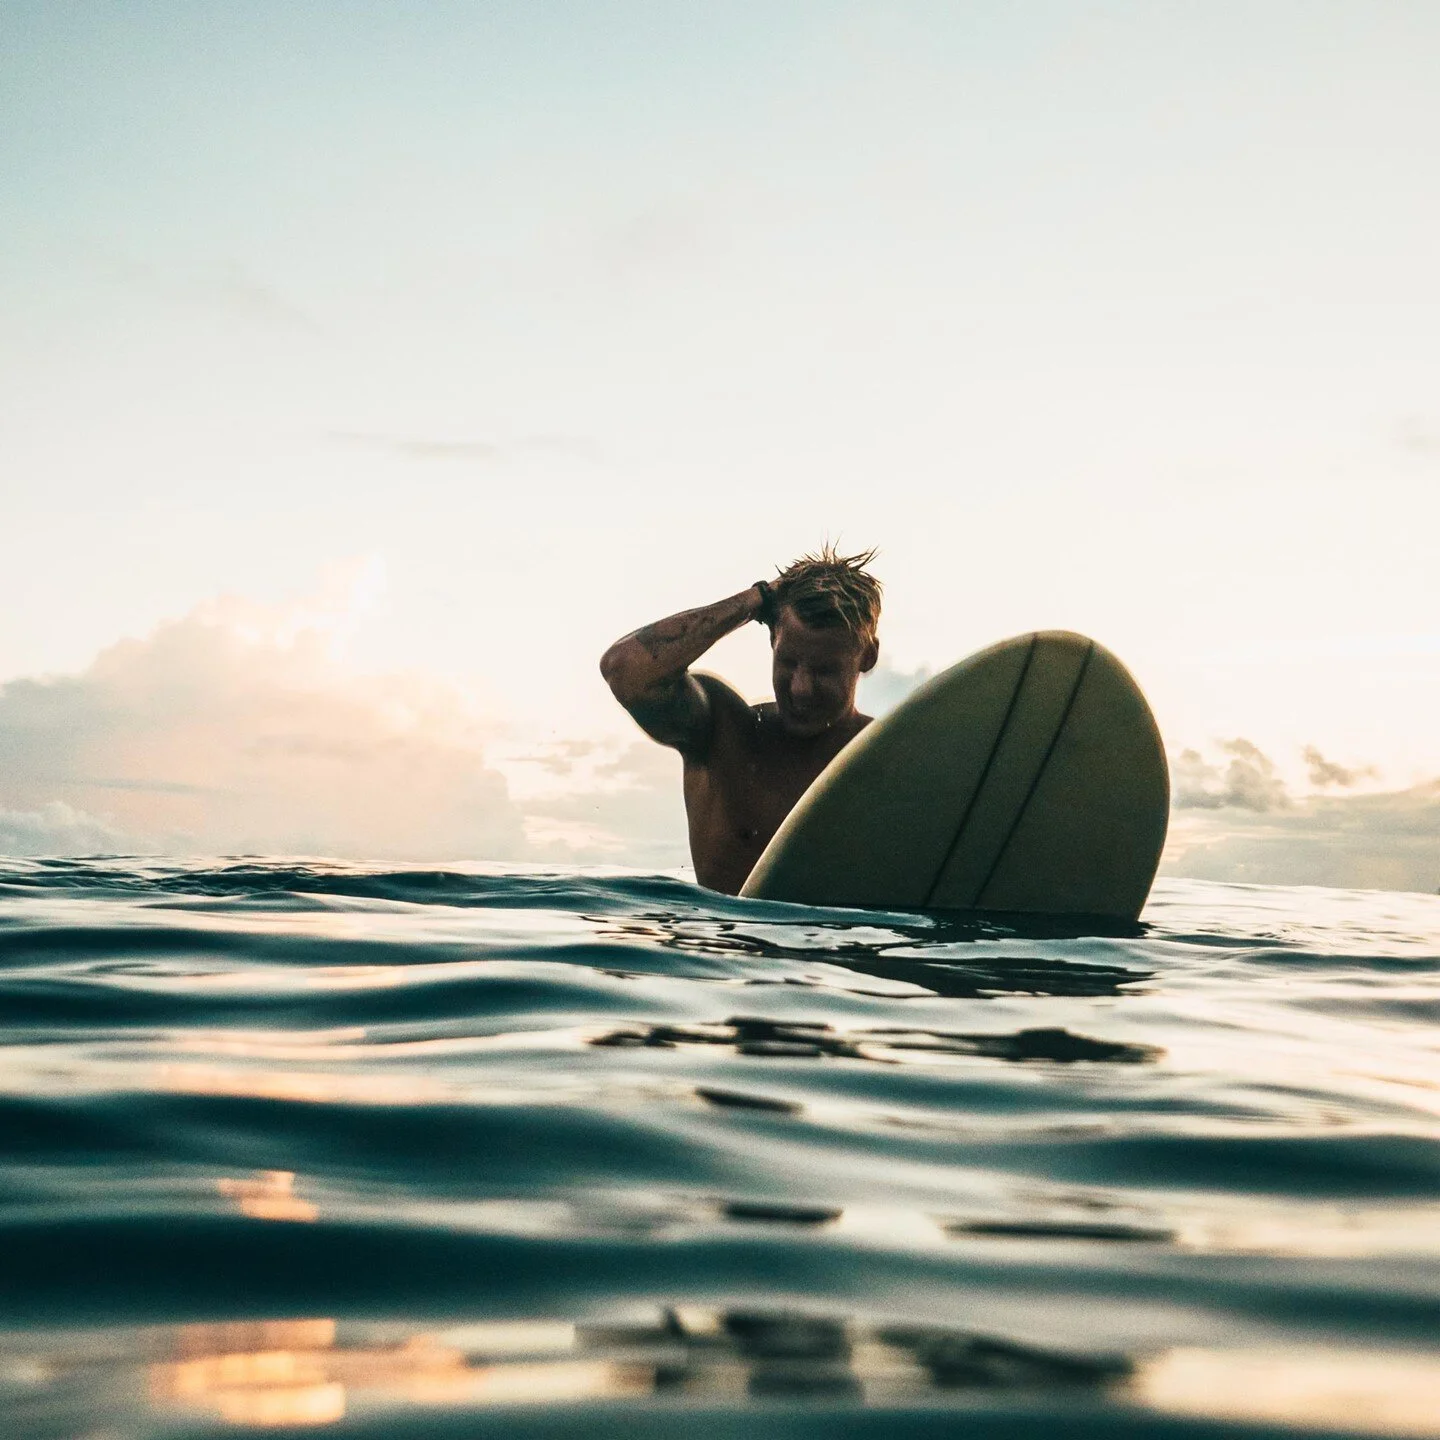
x=365, y=369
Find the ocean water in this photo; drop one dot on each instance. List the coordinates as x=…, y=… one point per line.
x=314, y=1149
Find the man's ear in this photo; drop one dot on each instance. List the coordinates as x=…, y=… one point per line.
x=869, y=657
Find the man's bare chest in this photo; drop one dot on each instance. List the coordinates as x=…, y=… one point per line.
x=758, y=783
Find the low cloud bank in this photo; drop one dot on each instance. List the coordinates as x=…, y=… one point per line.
x=59, y=829
x=622, y=806
x=235, y=730
x=1388, y=841
x=1235, y=818
x=238, y=730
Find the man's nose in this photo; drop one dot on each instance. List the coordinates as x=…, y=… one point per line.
x=800, y=685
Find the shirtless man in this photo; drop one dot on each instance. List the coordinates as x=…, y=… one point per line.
x=747, y=765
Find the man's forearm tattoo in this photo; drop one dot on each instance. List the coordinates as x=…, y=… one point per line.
x=676, y=629
x=666, y=632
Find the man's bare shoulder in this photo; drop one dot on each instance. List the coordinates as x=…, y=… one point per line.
x=731, y=713
x=725, y=697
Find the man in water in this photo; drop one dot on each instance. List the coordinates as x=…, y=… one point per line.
x=747, y=765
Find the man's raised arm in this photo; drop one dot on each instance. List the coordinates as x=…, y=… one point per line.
x=648, y=670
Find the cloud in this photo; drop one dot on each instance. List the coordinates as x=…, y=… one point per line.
x=489, y=452
x=653, y=243
x=1323, y=772
x=233, y=284
x=1418, y=435
x=237, y=729
x=418, y=448
x=1236, y=819
x=561, y=757
x=1385, y=841
x=59, y=829
x=226, y=283
x=885, y=687
x=1248, y=782
x=622, y=807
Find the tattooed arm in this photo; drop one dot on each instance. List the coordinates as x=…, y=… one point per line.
x=648, y=670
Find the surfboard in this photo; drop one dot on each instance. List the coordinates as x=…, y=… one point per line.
x=1030, y=777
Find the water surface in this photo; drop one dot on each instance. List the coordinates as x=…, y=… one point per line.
x=317, y=1149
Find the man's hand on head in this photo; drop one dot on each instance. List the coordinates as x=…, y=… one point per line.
x=769, y=608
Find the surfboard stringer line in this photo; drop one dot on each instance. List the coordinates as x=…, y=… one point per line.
x=989, y=763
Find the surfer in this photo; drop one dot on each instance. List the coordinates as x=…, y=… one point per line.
x=747, y=765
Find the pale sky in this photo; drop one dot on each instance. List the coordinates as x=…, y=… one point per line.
x=545, y=319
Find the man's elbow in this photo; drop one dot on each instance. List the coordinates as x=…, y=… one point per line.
x=617, y=671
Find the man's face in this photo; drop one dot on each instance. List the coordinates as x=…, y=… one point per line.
x=814, y=670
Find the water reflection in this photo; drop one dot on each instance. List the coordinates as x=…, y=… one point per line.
x=803, y=1040
x=270, y=1195
x=290, y=1372
x=908, y=953
x=1377, y=1393
x=312, y=1372
x=274, y=1372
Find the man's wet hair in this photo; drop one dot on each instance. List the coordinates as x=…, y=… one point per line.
x=829, y=589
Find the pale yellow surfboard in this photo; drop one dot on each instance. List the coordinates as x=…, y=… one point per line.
x=1029, y=777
